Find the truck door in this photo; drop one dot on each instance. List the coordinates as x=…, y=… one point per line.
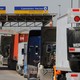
x=48, y=46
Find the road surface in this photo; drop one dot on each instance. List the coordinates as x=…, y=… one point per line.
x=6, y=74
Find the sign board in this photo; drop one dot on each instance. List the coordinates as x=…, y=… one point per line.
x=2, y=9
x=74, y=16
x=31, y=9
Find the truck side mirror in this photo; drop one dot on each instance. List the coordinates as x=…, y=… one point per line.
x=48, y=48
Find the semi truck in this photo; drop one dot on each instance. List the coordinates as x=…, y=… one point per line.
x=48, y=52
x=33, y=52
x=47, y=55
x=23, y=39
x=48, y=46
x=68, y=45
x=11, y=47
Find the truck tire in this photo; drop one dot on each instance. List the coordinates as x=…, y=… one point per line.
x=12, y=64
x=18, y=68
x=75, y=66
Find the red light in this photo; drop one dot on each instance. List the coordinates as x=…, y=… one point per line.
x=74, y=75
x=71, y=49
x=75, y=10
x=76, y=18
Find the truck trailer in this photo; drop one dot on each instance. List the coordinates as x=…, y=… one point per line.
x=68, y=45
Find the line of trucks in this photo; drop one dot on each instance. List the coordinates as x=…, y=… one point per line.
x=36, y=50
x=23, y=51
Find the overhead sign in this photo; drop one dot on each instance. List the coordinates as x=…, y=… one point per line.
x=31, y=9
x=2, y=9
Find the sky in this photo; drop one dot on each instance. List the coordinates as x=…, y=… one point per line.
x=53, y=5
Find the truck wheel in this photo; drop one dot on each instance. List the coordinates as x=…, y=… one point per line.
x=18, y=68
x=75, y=66
x=12, y=64
x=9, y=67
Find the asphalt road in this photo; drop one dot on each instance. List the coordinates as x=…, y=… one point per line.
x=48, y=75
x=6, y=74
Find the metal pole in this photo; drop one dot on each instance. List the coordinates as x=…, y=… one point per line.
x=25, y=61
x=71, y=3
x=71, y=7
x=78, y=3
x=59, y=10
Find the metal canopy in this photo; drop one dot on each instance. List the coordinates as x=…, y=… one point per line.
x=25, y=20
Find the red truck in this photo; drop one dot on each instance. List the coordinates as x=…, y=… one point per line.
x=10, y=48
